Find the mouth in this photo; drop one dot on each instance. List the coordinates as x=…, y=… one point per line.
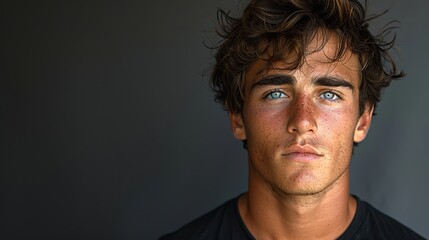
x=301, y=154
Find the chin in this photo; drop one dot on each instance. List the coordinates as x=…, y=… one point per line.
x=303, y=184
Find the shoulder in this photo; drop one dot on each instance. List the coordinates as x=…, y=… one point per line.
x=378, y=225
x=215, y=224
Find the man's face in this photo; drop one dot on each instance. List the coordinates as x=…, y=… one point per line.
x=300, y=125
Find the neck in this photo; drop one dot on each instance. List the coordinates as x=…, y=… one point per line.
x=270, y=214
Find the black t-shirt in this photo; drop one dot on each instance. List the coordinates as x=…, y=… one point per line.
x=225, y=223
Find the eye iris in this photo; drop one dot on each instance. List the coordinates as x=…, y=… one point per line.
x=275, y=95
x=328, y=95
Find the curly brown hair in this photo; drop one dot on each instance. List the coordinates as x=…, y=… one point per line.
x=281, y=30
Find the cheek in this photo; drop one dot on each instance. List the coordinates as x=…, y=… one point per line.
x=264, y=129
x=266, y=120
x=338, y=127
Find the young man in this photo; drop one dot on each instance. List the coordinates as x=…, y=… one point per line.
x=300, y=80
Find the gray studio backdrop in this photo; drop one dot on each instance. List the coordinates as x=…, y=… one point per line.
x=109, y=130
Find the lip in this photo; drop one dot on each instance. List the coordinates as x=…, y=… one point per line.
x=301, y=154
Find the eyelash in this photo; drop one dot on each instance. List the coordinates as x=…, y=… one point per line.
x=336, y=96
x=267, y=96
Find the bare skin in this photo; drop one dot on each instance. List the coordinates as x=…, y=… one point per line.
x=300, y=126
x=323, y=216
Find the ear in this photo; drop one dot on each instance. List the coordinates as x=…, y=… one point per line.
x=363, y=124
x=237, y=126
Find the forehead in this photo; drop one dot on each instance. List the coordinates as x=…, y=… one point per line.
x=321, y=57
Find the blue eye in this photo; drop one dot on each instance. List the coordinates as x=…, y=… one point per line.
x=329, y=96
x=276, y=94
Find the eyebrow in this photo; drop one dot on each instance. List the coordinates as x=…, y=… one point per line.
x=275, y=80
x=332, y=82
x=327, y=81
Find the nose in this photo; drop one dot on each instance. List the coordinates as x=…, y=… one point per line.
x=302, y=115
